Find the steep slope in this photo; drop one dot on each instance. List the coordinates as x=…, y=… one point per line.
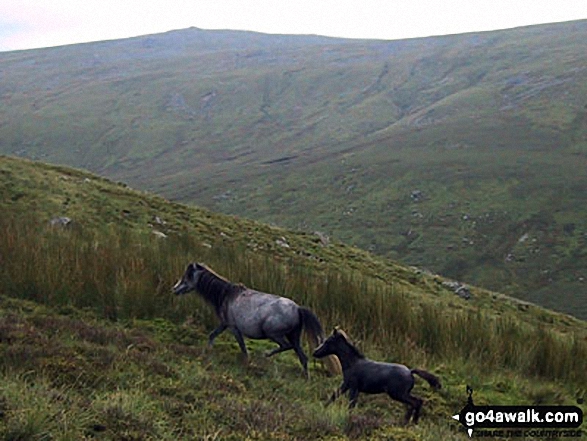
x=106, y=351
x=463, y=154
x=34, y=193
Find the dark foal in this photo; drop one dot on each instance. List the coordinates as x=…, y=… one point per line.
x=371, y=377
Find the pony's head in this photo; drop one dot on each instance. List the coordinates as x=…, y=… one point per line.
x=189, y=279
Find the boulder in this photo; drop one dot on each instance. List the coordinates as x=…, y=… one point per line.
x=458, y=288
x=61, y=221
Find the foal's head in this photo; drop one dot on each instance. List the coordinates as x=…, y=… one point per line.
x=189, y=279
x=337, y=343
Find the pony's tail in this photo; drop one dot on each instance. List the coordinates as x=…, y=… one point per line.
x=315, y=334
x=432, y=380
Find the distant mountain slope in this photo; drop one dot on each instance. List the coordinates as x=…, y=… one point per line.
x=463, y=154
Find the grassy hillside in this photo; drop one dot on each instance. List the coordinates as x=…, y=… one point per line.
x=94, y=345
x=463, y=154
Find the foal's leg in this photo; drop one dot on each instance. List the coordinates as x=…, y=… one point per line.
x=408, y=415
x=337, y=393
x=417, y=407
x=413, y=405
x=353, y=396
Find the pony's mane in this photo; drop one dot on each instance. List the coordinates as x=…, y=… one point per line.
x=210, y=270
x=216, y=289
x=350, y=344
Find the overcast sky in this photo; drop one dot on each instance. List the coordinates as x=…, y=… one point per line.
x=26, y=24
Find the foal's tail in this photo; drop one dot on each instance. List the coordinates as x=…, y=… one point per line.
x=433, y=380
x=316, y=336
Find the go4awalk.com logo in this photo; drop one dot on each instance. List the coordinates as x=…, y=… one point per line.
x=520, y=421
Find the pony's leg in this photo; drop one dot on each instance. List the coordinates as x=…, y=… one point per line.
x=215, y=333
x=283, y=346
x=241, y=341
x=302, y=356
x=294, y=337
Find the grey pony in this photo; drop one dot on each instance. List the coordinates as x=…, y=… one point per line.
x=254, y=314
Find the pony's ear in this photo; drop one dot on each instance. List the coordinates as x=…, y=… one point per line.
x=190, y=269
x=198, y=266
x=335, y=330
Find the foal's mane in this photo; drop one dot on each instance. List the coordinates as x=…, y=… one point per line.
x=346, y=338
x=216, y=289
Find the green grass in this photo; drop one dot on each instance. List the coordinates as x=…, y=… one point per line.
x=90, y=333
x=72, y=375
